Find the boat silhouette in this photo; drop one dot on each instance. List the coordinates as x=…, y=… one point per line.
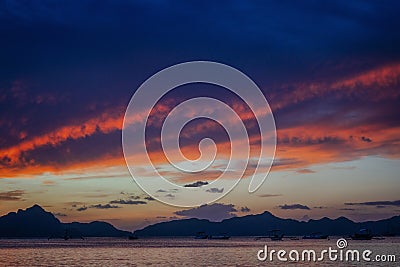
x=67, y=235
x=201, y=235
x=132, y=237
x=274, y=235
x=363, y=234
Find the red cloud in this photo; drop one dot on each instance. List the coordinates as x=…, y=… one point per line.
x=377, y=84
x=308, y=142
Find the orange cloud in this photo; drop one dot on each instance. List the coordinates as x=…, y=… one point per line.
x=315, y=145
x=105, y=123
x=310, y=143
x=13, y=160
x=32, y=169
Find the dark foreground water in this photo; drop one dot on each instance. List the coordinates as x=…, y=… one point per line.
x=186, y=252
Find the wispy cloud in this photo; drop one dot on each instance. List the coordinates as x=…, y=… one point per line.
x=128, y=202
x=196, y=184
x=294, y=207
x=270, y=195
x=305, y=171
x=98, y=206
x=215, y=190
x=366, y=139
x=365, y=85
x=395, y=203
x=100, y=176
x=148, y=198
x=13, y=195
x=105, y=206
x=48, y=182
x=83, y=208
x=106, y=122
x=320, y=207
x=245, y=209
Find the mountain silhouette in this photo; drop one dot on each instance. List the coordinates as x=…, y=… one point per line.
x=260, y=224
x=35, y=222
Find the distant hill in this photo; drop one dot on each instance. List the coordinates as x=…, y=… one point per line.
x=260, y=224
x=35, y=222
x=96, y=229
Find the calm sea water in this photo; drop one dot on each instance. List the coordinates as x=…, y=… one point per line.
x=176, y=252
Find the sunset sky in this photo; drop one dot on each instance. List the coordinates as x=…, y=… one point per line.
x=330, y=71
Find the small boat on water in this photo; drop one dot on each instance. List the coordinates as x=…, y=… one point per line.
x=274, y=235
x=201, y=235
x=221, y=236
x=315, y=236
x=132, y=237
x=68, y=234
x=363, y=234
x=277, y=237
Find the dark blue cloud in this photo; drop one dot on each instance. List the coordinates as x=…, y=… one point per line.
x=294, y=207
x=128, y=202
x=196, y=184
x=376, y=203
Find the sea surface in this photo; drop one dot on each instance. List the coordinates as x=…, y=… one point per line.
x=237, y=251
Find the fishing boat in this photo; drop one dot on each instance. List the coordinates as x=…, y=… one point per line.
x=276, y=235
x=363, y=234
x=133, y=237
x=201, y=235
x=68, y=234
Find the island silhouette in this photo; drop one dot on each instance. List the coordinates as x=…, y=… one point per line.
x=35, y=222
